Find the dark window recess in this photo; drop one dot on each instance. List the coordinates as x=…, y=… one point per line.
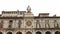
x=10, y=26
x=21, y=13
x=10, y=21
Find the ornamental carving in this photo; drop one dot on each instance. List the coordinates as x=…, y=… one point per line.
x=28, y=23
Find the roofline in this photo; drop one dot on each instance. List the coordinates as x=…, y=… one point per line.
x=24, y=17
x=47, y=17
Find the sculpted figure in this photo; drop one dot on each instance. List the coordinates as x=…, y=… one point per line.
x=19, y=23
x=38, y=24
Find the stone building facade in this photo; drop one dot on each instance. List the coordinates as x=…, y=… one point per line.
x=24, y=22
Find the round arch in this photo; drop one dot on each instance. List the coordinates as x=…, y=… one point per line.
x=1, y=33
x=28, y=32
x=38, y=32
x=19, y=33
x=57, y=32
x=48, y=32
x=9, y=32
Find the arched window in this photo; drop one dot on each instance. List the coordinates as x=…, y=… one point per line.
x=28, y=32
x=38, y=32
x=57, y=32
x=9, y=33
x=48, y=32
x=19, y=33
x=1, y=33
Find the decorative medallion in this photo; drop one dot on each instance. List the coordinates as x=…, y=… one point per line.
x=28, y=23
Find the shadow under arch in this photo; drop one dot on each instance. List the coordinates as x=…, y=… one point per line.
x=48, y=32
x=57, y=32
x=19, y=33
x=38, y=32
x=1, y=33
x=9, y=32
x=28, y=32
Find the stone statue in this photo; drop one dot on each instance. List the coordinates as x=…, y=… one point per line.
x=28, y=9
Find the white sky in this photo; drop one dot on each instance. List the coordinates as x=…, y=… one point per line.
x=37, y=6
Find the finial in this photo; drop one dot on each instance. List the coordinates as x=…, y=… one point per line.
x=28, y=9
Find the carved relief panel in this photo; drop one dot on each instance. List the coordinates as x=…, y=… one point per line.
x=29, y=23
